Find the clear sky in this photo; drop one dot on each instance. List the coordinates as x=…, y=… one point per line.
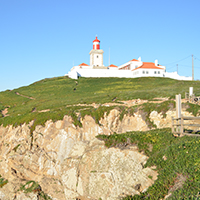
x=45, y=38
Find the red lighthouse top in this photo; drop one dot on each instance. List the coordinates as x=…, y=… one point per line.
x=96, y=40
x=96, y=44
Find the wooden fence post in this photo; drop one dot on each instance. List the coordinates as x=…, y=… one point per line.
x=178, y=106
x=178, y=112
x=172, y=124
x=182, y=130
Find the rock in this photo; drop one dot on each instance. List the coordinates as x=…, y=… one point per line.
x=106, y=173
x=161, y=122
x=129, y=123
x=68, y=162
x=67, y=166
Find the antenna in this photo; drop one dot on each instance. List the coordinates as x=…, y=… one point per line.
x=192, y=67
x=109, y=56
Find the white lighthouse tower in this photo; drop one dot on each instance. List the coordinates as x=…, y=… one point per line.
x=96, y=55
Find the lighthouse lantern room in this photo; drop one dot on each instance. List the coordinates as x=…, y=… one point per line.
x=96, y=44
x=96, y=55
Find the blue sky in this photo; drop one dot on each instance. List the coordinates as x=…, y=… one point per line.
x=44, y=38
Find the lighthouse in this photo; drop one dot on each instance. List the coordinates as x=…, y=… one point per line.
x=96, y=55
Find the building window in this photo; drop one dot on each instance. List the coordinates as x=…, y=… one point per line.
x=147, y=72
x=154, y=72
x=158, y=72
x=97, y=56
x=143, y=72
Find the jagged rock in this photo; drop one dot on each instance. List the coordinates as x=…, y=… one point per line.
x=68, y=162
x=112, y=123
x=165, y=122
x=105, y=173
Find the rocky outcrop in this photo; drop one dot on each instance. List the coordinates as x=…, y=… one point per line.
x=68, y=165
x=165, y=122
x=98, y=172
x=68, y=162
x=112, y=122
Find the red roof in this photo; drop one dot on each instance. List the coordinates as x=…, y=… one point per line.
x=148, y=65
x=83, y=64
x=112, y=65
x=96, y=40
x=134, y=60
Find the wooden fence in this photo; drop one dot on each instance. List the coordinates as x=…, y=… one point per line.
x=192, y=98
x=180, y=126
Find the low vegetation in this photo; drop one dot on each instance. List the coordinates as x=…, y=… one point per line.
x=160, y=108
x=176, y=159
x=32, y=186
x=3, y=181
x=53, y=98
x=193, y=108
x=96, y=113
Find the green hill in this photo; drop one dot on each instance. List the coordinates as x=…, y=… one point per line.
x=58, y=95
x=176, y=159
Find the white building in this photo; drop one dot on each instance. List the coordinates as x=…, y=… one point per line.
x=132, y=69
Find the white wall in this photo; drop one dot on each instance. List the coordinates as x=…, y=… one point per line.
x=104, y=73
x=174, y=75
x=149, y=72
x=85, y=67
x=113, y=68
x=72, y=74
x=97, y=73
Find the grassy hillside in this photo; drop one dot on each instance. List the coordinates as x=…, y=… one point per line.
x=56, y=93
x=176, y=159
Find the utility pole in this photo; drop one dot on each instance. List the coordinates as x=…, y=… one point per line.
x=192, y=67
x=177, y=68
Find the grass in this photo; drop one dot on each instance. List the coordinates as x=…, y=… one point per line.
x=193, y=108
x=96, y=113
x=160, y=108
x=126, y=111
x=2, y=181
x=182, y=159
x=57, y=93
x=32, y=186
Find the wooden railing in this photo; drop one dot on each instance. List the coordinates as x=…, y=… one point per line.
x=192, y=98
x=178, y=125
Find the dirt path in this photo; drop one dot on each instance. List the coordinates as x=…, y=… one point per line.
x=17, y=93
x=128, y=103
x=4, y=112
